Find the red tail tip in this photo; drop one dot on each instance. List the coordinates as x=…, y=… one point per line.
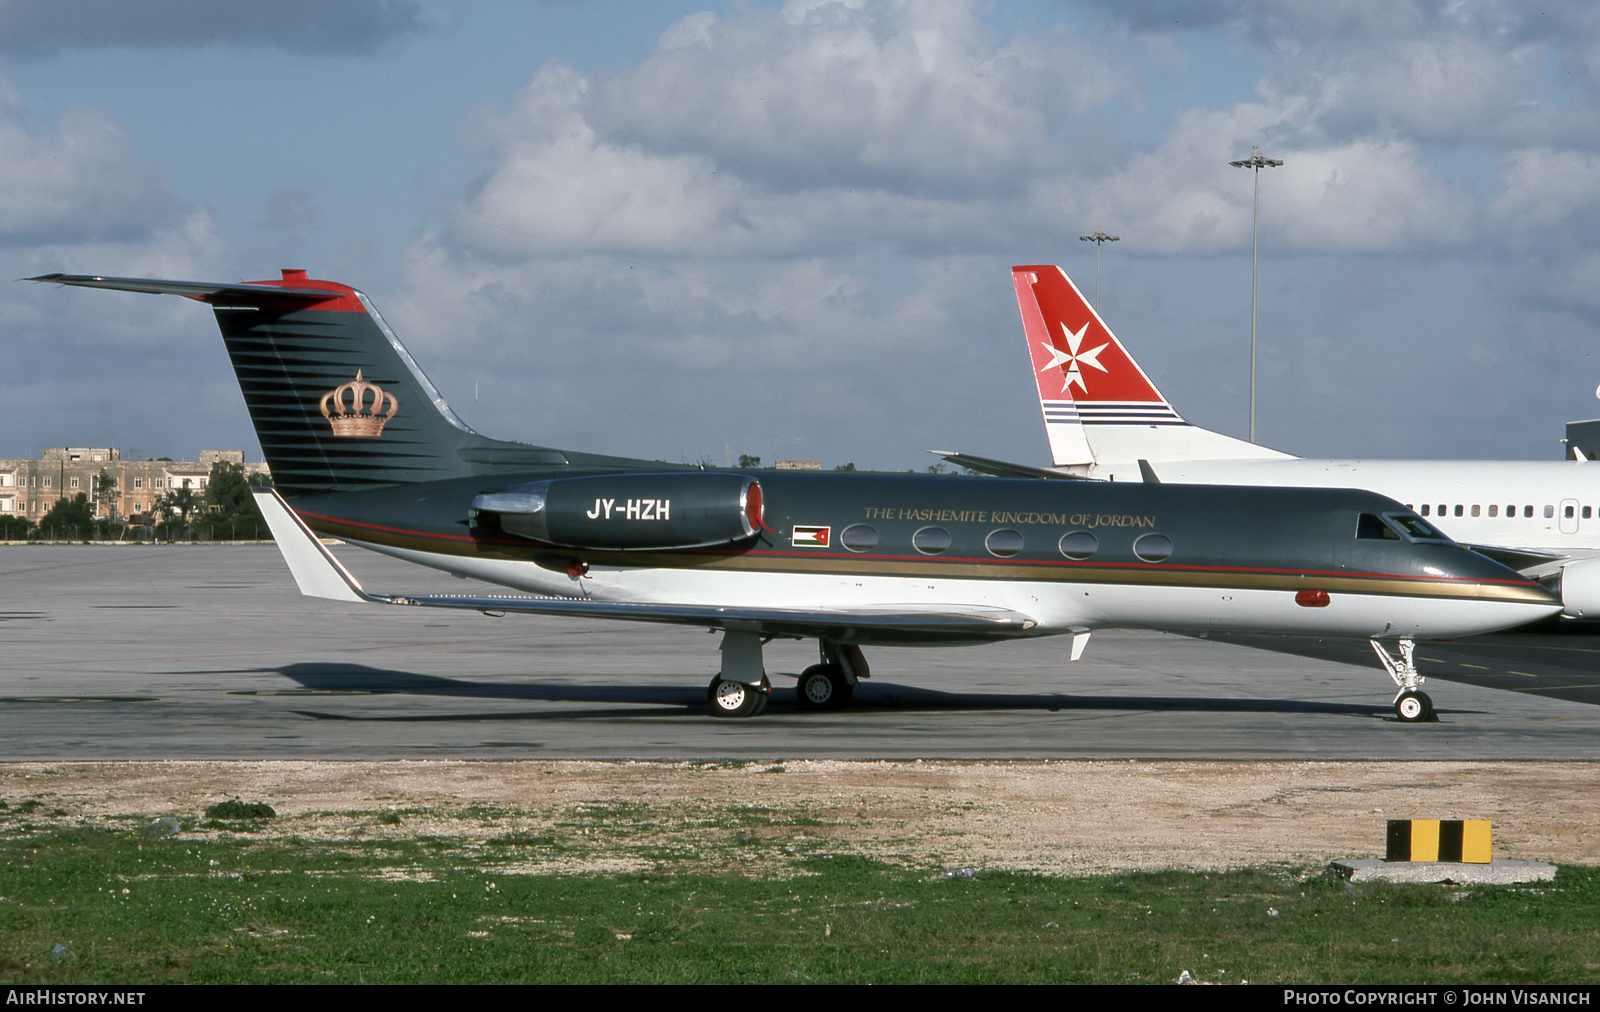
x=294, y=274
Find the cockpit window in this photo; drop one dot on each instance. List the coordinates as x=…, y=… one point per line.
x=1370, y=527
x=1415, y=528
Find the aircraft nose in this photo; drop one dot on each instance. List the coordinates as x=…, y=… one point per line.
x=1466, y=574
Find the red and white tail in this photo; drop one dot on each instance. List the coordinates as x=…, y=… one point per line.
x=1100, y=409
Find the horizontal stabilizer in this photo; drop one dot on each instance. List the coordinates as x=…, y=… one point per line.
x=999, y=468
x=243, y=292
x=319, y=574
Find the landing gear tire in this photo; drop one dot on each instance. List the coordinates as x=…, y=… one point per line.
x=824, y=687
x=1413, y=707
x=736, y=699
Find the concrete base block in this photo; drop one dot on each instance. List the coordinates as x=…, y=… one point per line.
x=1493, y=873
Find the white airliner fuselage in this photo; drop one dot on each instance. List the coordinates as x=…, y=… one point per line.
x=1103, y=416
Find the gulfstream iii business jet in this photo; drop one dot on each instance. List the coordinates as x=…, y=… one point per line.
x=363, y=447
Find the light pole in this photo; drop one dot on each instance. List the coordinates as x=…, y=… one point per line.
x=1256, y=162
x=1098, y=239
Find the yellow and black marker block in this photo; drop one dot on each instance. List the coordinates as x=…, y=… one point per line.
x=1464, y=841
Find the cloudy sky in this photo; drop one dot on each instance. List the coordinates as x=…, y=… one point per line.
x=671, y=230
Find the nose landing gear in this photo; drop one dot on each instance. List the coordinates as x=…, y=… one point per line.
x=1411, y=705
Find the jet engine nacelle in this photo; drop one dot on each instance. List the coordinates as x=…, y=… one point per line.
x=627, y=512
x=1580, y=588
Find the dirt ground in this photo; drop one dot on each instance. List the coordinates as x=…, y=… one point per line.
x=1052, y=817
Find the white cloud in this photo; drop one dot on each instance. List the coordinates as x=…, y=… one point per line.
x=79, y=182
x=783, y=133
x=1364, y=195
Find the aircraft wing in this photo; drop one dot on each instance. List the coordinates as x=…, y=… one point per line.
x=318, y=573
x=1001, y=468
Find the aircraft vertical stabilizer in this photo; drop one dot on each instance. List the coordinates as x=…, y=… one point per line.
x=1099, y=407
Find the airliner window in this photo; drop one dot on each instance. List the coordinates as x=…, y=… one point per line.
x=1153, y=547
x=1494, y=510
x=1370, y=527
x=859, y=537
x=1079, y=545
x=1424, y=509
x=1414, y=527
x=931, y=540
x=1004, y=543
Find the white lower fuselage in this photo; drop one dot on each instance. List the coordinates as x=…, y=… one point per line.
x=1058, y=606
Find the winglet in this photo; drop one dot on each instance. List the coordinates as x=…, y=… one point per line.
x=315, y=570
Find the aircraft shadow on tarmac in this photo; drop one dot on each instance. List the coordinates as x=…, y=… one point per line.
x=1555, y=660
x=325, y=680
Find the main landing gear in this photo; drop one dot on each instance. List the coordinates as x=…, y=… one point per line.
x=831, y=684
x=729, y=698
x=1411, y=705
x=741, y=688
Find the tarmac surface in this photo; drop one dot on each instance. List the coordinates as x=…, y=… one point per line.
x=199, y=652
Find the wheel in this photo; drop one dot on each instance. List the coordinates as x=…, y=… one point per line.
x=1412, y=707
x=823, y=687
x=736, y=699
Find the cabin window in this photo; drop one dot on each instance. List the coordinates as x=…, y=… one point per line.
x=1003, y=543
x=1527, y=511
x=1444, y=510
x=1568, y=512
x=1424, y=509
x=1459, y=509
x=1153, y=547
x=1079, y=545
x=931, y=540
x=859, y=537
x=1370, y=527
x=1549, y=511
x=1586, y=512
x=1474, y=509
x=1494, y=510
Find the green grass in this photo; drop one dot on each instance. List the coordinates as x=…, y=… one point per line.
x=107, y=903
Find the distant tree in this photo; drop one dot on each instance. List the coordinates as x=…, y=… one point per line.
x=105, y=491
x=234, y=508
x=745, y=460
x=846, y=467
x=15, y=528
x=936, y=468
x=176, y=508
x=68, y=518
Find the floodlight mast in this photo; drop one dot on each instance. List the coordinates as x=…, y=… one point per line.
x=1098, y=238
x=1256, y=162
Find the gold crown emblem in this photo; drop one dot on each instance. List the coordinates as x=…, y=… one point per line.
x=358, y=409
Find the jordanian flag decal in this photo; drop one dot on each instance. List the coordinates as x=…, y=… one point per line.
x=810, y=537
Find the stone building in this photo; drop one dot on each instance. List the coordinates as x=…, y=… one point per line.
x=29, y=488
